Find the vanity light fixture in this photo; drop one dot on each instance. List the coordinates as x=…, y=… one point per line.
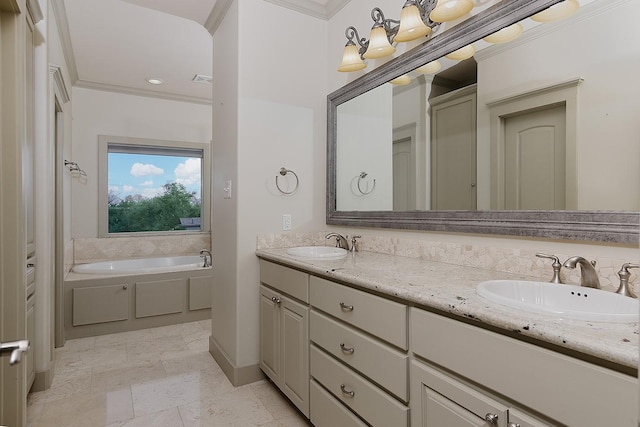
x=401, y=81
x=154, y=81
x=463, y=53
x=449, y=10
x=429, y=68
x=558, y=11
x=505, y=35
x=414, y=23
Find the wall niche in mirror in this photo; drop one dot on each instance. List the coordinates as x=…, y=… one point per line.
x=542, y=127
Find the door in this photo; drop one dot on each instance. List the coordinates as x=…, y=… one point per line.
x=13, y=252
x=535, y=160
x=404, y=176
x=453, y=152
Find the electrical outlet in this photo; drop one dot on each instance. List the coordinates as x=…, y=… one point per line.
x=286, y=222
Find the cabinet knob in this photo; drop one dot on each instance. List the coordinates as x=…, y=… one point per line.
x=276, y=300
x=343, y=389
x=345, y=307
x=491, y=418
x=125, y=287
x=346, y=350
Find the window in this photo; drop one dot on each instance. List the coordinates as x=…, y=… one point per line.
x=153, y=186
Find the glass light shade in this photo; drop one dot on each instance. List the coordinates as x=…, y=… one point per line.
x=429, y=68
x=465, y=52
x=401, y=81
x=505, y=35
x=379, y=45
x=411, y=25
x=351, y=60
x=558, y=11
x=448, y=10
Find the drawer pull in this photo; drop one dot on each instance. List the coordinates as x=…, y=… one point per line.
x=346, y=392
x=276, y=300
x=346, y=350
x=345, y=307
x=491, y=418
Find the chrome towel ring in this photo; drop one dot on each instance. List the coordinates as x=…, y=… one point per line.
x=362, y=176
x=283, y=172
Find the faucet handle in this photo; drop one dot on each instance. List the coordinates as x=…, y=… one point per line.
x=353, y=243
x=556, y=267
x=624, y=275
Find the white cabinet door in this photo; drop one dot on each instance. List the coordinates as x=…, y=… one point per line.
x=269, y=334
x=294, y=351
x=438, y=400
x=284, y=345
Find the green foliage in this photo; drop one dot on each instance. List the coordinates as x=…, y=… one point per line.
x=161, y=213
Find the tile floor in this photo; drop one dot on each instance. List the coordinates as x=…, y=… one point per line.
x=159, y=377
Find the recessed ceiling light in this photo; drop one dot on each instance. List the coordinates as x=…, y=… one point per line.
x=154, y=81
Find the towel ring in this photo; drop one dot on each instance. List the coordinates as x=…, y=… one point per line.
x=362, y=176
x=283, y=172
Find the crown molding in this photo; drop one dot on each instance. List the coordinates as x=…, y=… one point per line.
x=85, y=84
x=60, y=14
x=312, y=8
x=217, y=14
x=60, y=85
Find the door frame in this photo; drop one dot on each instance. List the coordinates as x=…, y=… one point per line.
x=565, y=92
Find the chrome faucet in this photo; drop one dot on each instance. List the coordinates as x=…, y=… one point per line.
x=341, y=241
x=588, y=274
x=207, y=258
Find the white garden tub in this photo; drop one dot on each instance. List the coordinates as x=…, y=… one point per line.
x=142, y=265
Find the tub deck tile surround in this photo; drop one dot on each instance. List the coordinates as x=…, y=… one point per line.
x=451, y=289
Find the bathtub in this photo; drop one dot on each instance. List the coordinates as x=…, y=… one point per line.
x=140, y=266
x=119, y=296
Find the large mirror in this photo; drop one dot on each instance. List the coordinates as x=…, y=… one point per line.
x=535, y=137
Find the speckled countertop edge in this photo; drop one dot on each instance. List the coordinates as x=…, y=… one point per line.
x=451, y=289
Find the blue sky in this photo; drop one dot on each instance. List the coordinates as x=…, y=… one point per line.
x=145, y=174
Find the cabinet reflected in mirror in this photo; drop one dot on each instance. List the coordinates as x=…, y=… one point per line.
x=545, y=122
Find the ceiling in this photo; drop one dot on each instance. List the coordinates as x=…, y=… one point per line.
x=115, y=45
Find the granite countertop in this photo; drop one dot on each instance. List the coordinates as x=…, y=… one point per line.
x=451, y=289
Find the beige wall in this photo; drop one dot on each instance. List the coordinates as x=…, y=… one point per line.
x=269, y=112
x=109, y=113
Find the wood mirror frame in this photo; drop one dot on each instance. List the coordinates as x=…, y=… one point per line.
x=603, y=226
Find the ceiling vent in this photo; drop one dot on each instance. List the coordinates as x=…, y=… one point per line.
x=200, y=78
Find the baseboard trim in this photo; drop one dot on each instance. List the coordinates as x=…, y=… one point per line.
x=43, y=380
x=237, y=375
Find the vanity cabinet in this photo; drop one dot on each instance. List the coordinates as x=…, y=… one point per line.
x=472, y=372
x=284, y=331
x=358, y=356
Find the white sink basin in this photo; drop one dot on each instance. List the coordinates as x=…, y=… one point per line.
x=317, y=252
x=565, y=301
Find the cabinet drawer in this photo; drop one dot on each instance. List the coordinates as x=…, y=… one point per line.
x=378, y=316
x=524, y=369
x=327, y=411
x=362, y=352
x=371, y=403
x=439, y=400
x=287, y=280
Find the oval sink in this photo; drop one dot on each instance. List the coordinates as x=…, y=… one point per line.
x=565, y=301
x=317, y=252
